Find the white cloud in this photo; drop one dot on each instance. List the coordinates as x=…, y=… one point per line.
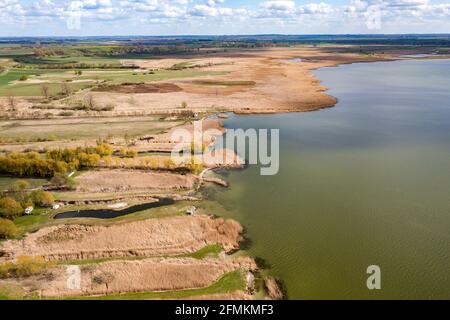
x=265, y=16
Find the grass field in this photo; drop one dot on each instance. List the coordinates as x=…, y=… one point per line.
x=211, y=251
x=78, y=129
x=10, y=83
x=6, y=182
x=41, y=218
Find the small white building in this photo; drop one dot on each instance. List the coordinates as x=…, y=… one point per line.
x=29, y=210
x=56, y=206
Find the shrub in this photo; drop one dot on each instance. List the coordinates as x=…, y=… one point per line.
x=42, y=198
x=63, y=181
x=66, y=114
x=24, y=267
x=30, y=165
x=104, y=149
x=23, y=78
x=195, y=168
x=10, y=208
x=127, y=153
x=7, y=229
x=169, y=164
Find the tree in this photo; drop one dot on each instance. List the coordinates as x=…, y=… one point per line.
x=45, y=90
x=10, y=208
x=60, y=180
x=42, y=198
x=103, y=278
x=90, y=103
x=27, y=266
x=23, y=78
x=66, y=88
x=169, y=164
x=12, y=103
x=18, y=188
x=39, y=52
x=184, y=104
x=104, y=150
x=7, y=229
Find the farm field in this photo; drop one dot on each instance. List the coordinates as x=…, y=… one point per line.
x=88, y=178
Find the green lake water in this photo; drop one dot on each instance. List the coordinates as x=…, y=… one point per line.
x=364, y=183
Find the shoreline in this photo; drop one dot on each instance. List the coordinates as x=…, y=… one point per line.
x=323, y=100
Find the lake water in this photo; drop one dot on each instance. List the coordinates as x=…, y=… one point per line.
x=364, y=183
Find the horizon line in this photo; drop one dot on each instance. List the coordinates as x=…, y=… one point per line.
x=229, y=35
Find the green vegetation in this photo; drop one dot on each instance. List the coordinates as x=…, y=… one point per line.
x=62, y=181
x=209, y=251
x=54, y=78
x=225, y=83
x=15, y=200
x=10, y=208
x=24, y=267
x=11, y=292
x=31, y=164
x=8, y=229
x=42, y=198
x=41, y=218
x=7, y=182
x=28, y=223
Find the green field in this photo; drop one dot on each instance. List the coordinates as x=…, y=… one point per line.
x=11, y=85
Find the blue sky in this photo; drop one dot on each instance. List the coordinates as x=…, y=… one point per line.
x=175, y=17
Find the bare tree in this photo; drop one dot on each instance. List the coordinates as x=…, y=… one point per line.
x=45, y=89
x=12, y=103
x=66, y=89
x=90, y=103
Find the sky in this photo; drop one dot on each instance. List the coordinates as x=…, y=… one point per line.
x=220, y=17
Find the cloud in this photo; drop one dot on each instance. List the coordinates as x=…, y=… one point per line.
x=186, y=15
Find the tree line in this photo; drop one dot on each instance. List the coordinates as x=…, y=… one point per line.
x=56, y=161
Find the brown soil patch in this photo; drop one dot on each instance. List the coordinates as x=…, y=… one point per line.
x=141, y=88
x=273, y=290
x=153, y=237
x=132, y=180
